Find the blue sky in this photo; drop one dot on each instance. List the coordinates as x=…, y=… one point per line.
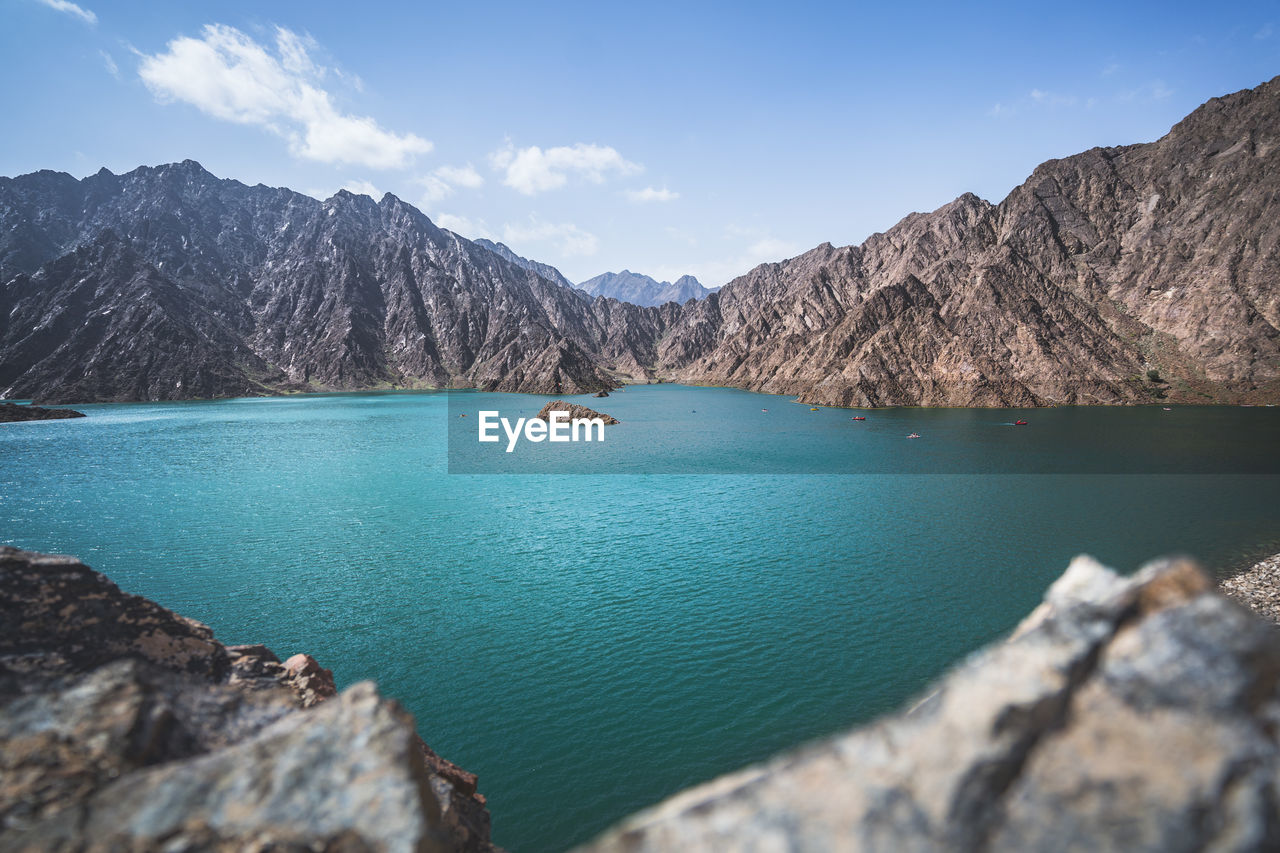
x=663, y=138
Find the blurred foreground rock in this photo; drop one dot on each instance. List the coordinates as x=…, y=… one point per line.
x=124, y=726
x=1123, y=714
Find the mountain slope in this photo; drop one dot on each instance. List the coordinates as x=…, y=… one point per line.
x=1118, y=275
x=192, y=286
x=627, y=286
x=547, y=271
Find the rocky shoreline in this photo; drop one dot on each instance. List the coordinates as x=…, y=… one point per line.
x=1122, y=713
x=1257, y=587
x=13, y=413
x=124, y=726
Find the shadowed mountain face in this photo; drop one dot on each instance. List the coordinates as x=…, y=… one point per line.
x=1119, y=275
x=638, y=289
x=168, y=283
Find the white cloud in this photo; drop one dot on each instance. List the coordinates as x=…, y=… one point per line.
x=440, y=183
x=229, y=76
x=651, y=194
x=533, y=170
x=760, y=247
x=462, y=176
x=567, y=237
x=110, y=64
x=470, y=228
x=71, y=9
x=1265, y=33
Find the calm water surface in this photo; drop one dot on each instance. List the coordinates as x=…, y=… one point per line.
x=589, y=644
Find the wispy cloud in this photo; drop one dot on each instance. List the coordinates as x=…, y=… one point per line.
x=533, y=170
x=1053, y=99
x=651, y=194
x=568, y=238
x=1267, y=31
x=440, y=184
x=1156, y=90
x=228, y=75
x=69, y=8
x=755, y=246
x=110, y=64
x=466, y=226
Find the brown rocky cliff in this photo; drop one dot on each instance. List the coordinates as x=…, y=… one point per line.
x=124, y=726
x=1120, y=275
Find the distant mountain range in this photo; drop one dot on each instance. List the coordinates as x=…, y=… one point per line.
x=1120, y=275
x=638, y=289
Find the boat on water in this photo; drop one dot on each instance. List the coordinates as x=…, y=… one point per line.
x=860, y=418
x=1019, y=423
x=813, y=408
x=914, y=435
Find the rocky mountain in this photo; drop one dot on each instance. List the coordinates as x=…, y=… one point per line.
x=547, y=271
x=124, y=726
x=627, y=286
x=1120, y=275
x=168, y=283
x=1122, y=714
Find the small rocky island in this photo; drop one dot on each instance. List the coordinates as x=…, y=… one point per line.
x=12, y=413
x=575, y=412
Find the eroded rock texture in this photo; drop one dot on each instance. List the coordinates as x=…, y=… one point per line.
x=1120, y=275
x=124, y=726
x=1123, y=714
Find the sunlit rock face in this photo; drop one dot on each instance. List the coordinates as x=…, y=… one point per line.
x=124, y=726
x=1123, y=714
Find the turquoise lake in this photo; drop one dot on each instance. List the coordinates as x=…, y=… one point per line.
x=720, y=584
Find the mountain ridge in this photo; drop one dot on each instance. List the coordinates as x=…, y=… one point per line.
x=643, y=290
x=1132, y=274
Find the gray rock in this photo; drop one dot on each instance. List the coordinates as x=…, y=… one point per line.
x=1123, y=714
x=124, y=726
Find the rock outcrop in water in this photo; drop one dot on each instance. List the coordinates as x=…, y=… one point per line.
x=1123, y=714
x=575, y=412
x=1120, y=275
x=124, y=726
x=12, y=413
